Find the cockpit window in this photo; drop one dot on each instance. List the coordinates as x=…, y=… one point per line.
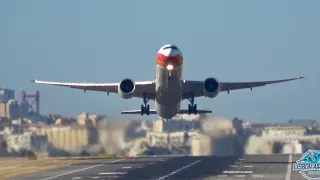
x=171, y=47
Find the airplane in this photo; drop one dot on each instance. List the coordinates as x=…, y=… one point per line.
x=168, y=89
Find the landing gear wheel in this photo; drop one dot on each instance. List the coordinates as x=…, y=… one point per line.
x=189, y=109
x=142, y=110
x=192, y=108
x=145, y=109
x=148, y=110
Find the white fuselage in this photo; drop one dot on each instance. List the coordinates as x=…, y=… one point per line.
x=168, y=91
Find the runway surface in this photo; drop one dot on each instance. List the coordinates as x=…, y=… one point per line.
x=262, y=167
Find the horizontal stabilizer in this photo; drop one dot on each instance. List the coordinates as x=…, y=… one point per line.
x=198, y=111
x=152, y=111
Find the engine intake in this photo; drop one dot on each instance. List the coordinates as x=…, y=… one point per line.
x=126, y=88
x=211, y=87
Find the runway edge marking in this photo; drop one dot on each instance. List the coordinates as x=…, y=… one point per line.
x=52, y=177
x=289, y=168
x=178, y=170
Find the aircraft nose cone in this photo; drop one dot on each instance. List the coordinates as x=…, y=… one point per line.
x=171, y=53
x=174, y=60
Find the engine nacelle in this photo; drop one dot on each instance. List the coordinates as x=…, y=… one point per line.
x=126, y=88
x=211, y=87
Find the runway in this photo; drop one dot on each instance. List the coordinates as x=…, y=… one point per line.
x=165, y=167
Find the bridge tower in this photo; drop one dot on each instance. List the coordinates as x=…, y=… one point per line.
x=33, y=101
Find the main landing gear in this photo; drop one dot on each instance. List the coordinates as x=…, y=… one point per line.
x=145, y=108
x=192, y=108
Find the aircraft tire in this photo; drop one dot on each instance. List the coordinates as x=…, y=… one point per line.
x=148, y=110
x=142, y=110
x=189, y=109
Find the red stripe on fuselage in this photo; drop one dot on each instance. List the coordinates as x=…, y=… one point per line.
x=163, y=60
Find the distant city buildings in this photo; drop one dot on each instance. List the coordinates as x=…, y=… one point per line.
x=6, y=95
x=10, y=108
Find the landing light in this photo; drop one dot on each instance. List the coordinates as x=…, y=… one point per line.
x=169, y=67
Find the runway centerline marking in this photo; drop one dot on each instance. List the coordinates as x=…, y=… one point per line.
x=117, y=160
x=178, y=170
x=237, y=172
x=240, y=176
x=257, y=175
x=222, y=175
x=112, y=173
x=289, y=168
x=248, y=166
x=52, y=177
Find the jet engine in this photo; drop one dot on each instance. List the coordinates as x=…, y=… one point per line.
x=211, y=87
x=126, y=88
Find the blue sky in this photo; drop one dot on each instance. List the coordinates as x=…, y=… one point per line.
x=106, y=41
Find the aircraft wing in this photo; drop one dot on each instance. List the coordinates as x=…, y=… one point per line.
x=196, y=87
x=147, y=87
